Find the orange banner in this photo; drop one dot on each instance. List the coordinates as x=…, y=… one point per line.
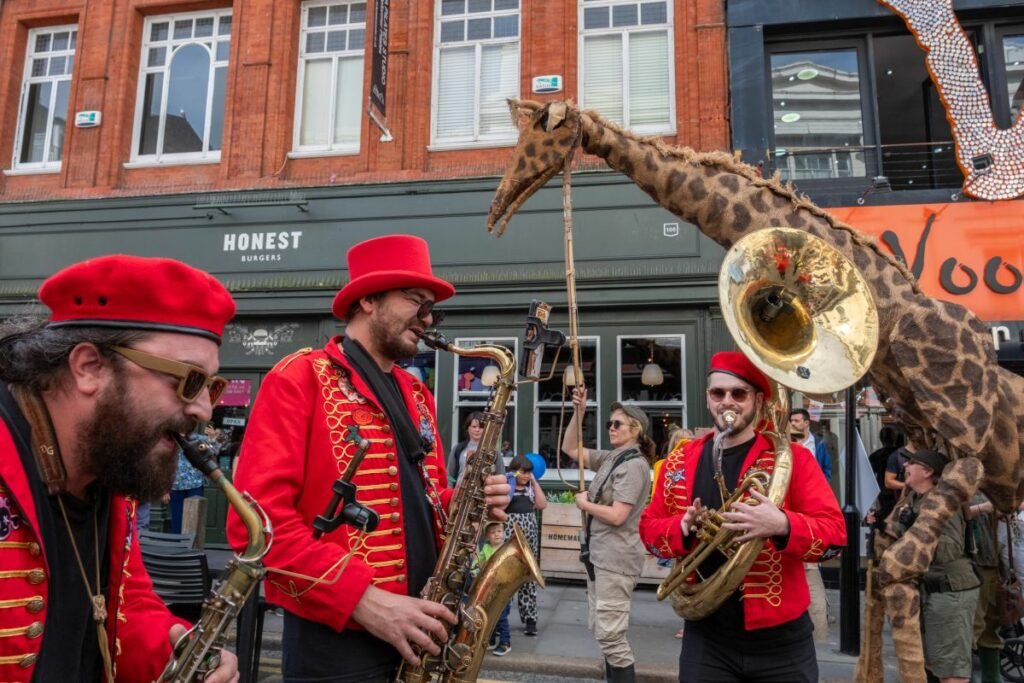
x=970, y=253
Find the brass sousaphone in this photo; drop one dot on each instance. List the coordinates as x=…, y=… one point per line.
x=801, y=312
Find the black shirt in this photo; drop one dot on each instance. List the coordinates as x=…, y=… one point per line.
x=727, y=620
x=70, y=649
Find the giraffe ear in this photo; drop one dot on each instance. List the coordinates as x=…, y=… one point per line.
x=556, y=113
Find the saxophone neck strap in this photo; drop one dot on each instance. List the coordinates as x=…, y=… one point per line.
x=622, y=458
x=44, y=440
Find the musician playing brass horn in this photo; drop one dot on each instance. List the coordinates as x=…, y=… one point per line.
x=761, y=631
x=351, y=600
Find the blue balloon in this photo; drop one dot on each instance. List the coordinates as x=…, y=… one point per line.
x=539, y=466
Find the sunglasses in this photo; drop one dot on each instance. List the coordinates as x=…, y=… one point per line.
x=425, y=309
x=615, y=424
x=739, y=394
x=191, y=380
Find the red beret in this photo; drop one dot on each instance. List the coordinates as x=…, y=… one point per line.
x=138, y=293
x=736, y=364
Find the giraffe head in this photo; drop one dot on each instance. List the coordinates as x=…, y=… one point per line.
x=546, y=140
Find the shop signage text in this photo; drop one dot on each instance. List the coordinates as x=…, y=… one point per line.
x=268, y=244
x=971, y=254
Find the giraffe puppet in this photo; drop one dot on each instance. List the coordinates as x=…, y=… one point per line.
x=935, y=362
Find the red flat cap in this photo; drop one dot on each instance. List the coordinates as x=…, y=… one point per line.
x=134, y=292
x=736, y=364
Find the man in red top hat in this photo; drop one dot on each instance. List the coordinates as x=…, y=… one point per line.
x=762, y=632
x=89, y=398
x=352, y=610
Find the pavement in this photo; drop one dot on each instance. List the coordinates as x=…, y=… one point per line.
x=565, y=648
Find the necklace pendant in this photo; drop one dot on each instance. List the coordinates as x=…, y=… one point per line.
x=99, y=608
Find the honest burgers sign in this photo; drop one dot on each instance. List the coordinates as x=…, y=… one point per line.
x=261, y=246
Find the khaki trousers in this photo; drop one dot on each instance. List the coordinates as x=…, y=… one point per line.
x=609, y=596
x=819, y=605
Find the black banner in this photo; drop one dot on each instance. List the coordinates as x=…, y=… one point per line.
x=379, y=73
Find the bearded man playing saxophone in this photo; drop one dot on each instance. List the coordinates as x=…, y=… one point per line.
x=90, y=399
x=761, y=632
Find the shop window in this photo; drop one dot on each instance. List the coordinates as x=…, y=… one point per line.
x=915, y=139
x=816, y=114
x=651, y=374
x=473, y=381
x=626, y=63
x=45, y=92
x=1013, y=60
x=182, y=83
x=554, y=402
x=328, y=104
x=476, y=62
x=423, y=366
x=231, y=414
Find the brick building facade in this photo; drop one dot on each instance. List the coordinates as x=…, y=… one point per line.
x=263, y=49
x=223, y=127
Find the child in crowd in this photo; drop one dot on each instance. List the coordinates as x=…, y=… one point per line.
x=527, y=497
x=501, y=639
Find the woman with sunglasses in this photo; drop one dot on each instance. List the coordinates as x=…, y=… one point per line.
x=612, y=551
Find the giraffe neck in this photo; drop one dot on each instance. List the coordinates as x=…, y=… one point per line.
x=727, y=200
x=672, y=177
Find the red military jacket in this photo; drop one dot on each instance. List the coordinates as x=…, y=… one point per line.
x=295, y=449
x=137, y=623
x=775, y=589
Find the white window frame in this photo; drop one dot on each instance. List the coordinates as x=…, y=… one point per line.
x=655, y=405
x=161, y=158
x=476, y=140
x=479, y=399
x=298, y=149
x=626, y=32
x=593, y=395
x=47, y=165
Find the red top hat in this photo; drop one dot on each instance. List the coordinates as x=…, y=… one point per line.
x=138, y=293
x=389, y=262
x=736, y=364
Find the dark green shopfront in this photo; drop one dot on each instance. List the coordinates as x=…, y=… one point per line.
x=646, y=285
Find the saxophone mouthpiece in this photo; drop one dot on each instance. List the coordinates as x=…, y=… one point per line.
x=198, y=455
x=432, y=338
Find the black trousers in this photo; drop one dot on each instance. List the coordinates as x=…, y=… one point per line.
x=316, y=653
x=780, y=654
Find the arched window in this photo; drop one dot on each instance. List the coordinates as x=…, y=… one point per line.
x=182, y=87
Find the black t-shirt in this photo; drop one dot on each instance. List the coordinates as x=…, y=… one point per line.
x=355, y=656
x=728, y=619
x=70, y=649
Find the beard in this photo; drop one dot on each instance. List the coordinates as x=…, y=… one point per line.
x=386, y=331
x=120, y=446
x=744, y=418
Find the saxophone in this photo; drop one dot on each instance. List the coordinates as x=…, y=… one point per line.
x=198, y=651
x=479, y=605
